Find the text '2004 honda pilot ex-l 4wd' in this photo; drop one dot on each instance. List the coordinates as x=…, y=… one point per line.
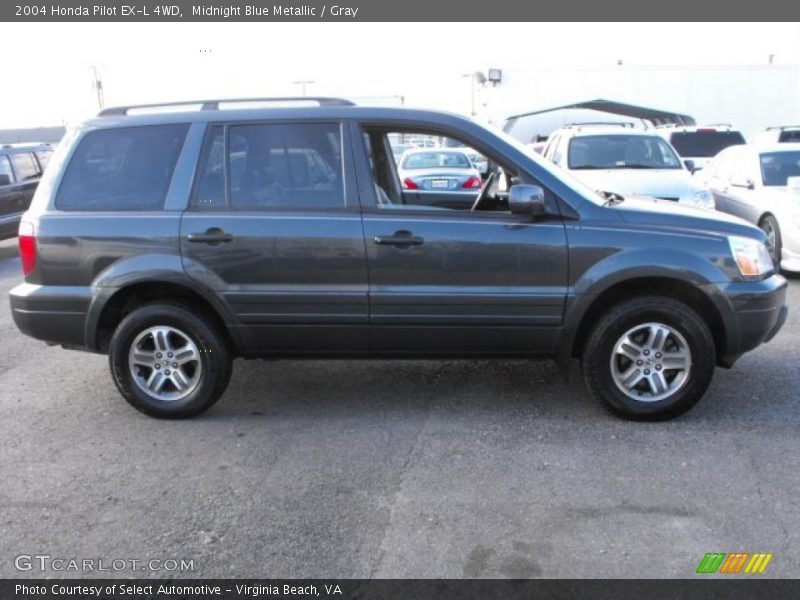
x=177, y=240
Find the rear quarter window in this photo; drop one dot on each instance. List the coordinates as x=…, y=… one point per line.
x=121, y=169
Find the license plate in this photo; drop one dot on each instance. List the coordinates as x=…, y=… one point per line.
x=439, y=183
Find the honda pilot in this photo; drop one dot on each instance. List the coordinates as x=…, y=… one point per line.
x=177, y=238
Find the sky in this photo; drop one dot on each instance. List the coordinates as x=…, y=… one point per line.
x=425, y=63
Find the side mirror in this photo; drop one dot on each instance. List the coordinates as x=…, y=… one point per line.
x=689, y=164
x=5, y=179
x=525, y=199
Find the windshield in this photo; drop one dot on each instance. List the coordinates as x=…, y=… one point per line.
x=777, y=167
x=433, y=160
x=704, y=143
x=614, y=151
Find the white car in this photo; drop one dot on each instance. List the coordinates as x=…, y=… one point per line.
x=761, y=184
x=777, y=135
x=443, y=177
x=625, y=160
x=479, y=160
x=699, y=144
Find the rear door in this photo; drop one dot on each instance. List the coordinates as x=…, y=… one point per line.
x=275, y=230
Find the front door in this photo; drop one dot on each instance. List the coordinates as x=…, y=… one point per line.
x=274, y=229
x=447, y=280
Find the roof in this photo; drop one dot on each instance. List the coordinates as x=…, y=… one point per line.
x=772, y=147
x=579, y=131
x=656, y=116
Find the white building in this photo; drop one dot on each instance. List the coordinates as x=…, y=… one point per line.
x=748, y=97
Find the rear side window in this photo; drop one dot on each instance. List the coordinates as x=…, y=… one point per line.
x=6, y=175
x=44, y=158
x=128, y=168
x=25, y=166
x=271, y=166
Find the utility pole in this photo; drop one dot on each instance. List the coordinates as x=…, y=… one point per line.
x=303, y=83
x=98, y=86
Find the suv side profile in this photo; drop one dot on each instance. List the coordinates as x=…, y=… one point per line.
x=175, y=242
x=21, y=166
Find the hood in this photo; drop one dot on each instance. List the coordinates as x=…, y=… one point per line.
x=666, y=214
x=658, y=183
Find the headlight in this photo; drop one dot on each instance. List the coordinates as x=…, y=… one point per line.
x=702, y=198
x=751, y=256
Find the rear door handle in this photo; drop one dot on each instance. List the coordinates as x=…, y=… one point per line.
x=214, y=235
x=399, y=238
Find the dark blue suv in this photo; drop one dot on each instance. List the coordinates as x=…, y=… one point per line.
x=176, y=240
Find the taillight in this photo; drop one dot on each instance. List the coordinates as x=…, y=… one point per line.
x=27, y=247
x=473, y=183
x=410, y=184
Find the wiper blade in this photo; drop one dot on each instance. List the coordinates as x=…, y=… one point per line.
x=579, y=167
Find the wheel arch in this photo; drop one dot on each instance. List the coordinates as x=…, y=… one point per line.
x=671, y=287
x=110, y=307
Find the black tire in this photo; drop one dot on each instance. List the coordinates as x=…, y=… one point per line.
x=214, y=360
x=769, y=225
x=596, y=358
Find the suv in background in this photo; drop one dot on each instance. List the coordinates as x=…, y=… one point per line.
x=619, y=158
x=778, y=135
x=697, y=145
x=177, y=241
x=21, y=166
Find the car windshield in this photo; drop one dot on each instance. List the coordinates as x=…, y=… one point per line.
x=619, y=151
x=433, y=159
x=704, y=143
x=777, y=167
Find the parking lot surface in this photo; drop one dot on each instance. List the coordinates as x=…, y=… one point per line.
x=395, y=469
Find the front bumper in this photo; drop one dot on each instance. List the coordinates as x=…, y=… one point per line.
x=54, y=314
x=753, y=312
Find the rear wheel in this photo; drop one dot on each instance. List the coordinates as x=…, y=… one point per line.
x=168, y=361
x=769, y=225
x=649, y=358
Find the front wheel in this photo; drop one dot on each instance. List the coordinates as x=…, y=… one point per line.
x=769, y=225
x=649, y=358
x=168, y=361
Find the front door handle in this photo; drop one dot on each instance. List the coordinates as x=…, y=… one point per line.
x=399, y=238
x=214, y=235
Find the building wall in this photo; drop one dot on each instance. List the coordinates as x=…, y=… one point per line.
x=36, y=134
x=750, y=98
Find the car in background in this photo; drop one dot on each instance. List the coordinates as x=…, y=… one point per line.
x=440, y=176
x=777, y=135
x=398, y=150
x=761, y=184
x=697, y=145
x=478, y=160
x=621, y=159
x=21, y=166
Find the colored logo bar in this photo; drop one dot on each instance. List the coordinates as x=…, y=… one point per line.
x=734, y=562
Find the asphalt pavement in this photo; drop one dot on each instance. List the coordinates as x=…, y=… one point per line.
x=353, y=469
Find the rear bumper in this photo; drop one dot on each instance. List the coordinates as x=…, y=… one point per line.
x=756, y=311
x=54, y=314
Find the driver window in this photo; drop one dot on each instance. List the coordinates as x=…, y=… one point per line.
x=415, y=170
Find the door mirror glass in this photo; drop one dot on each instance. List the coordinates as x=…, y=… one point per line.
x=525, y=199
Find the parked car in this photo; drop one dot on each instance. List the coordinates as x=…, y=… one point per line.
x=699, y=144
x=21, y=166
x=761, y=184
x=477, y=159
x=443, y=177
x=777, y=135
x=626, y=160
x=176, y=241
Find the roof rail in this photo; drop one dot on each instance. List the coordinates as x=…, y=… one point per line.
x=782, y=127
x=214, y=104
x=600, y=123
x=715, y=125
